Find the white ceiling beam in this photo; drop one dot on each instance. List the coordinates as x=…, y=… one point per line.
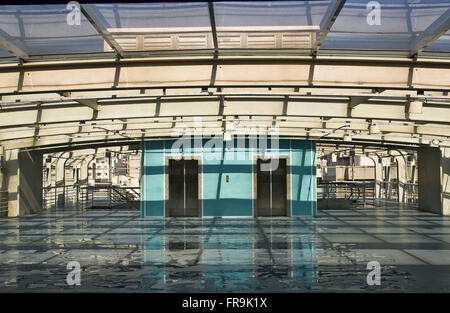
x=92, y=103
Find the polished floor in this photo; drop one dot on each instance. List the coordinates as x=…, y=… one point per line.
x=119, y=251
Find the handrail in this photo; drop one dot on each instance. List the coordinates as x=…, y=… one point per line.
x=89, y=196
x=353, y=191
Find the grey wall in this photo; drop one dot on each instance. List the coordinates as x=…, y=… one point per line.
x=434, y=185
x=30, y=182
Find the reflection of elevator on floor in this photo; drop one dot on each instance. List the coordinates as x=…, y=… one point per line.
x=182, y=248
x=271, y=194
x=183, y=188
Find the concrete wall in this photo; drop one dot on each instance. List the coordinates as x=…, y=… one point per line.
x=23, y=181
x=434, y=179
x=237, y=196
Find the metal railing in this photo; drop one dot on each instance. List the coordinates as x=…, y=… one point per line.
x=3, y=203
x=85, y=197
x=388, y=190
x=356, y=192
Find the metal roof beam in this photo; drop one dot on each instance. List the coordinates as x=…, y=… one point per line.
x=433, y=32
x=92, y=103
x=10, y=47
x=93, y=18
x=327, y=22
x=212, y=19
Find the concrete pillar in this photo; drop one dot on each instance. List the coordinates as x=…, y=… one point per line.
x=83, y=195
x=378, y=177
x=387, y=179
x=23, y=182
x=401, y=177
x=84, y=170
x=434, y=179
x=70, y=181
x=60, y=179
x=76, y=164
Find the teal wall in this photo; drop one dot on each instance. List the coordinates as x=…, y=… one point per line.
x=303, y=178
x=152, y=203
x=234, y=198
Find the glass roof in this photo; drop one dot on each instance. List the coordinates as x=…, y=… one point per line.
x=400, y=22
x=35, y=30
x=43, y=29
x=4, y=53
x=160, y=15
x=270, y=13
x=441, y=44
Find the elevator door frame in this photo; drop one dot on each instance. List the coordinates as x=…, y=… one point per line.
x=198, y=158
x=288, y=181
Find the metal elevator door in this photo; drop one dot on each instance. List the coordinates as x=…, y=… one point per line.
x=271, y=189
x=183, y=188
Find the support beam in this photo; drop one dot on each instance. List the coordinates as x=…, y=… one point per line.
x=433, y=32
x=92, y=17
x=12, y=48
x=401, y=178
x=60, y=189
x=378, y=175
x=92, y=103
x=84, y=170
x=212, y=19
x=327, y=22
x=355, y=101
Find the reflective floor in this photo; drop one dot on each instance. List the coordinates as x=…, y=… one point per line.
x=119, y=251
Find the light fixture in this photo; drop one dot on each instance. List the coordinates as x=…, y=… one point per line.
x=434, y=143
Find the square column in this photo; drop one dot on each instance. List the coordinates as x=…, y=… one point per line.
x=434, y=180
x=23, y=182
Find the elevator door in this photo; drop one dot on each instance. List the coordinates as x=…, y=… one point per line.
x=271, y=189
x=183, y=188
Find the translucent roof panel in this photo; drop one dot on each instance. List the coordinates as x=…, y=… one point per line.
x=154, y=15
x=157, y=26
x=269, y=24
x=270, y=13
x=4, y=53
x=45, y=29
x=400, y=23
x=441, y=44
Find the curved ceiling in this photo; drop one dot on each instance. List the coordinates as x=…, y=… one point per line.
x=295, y=68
